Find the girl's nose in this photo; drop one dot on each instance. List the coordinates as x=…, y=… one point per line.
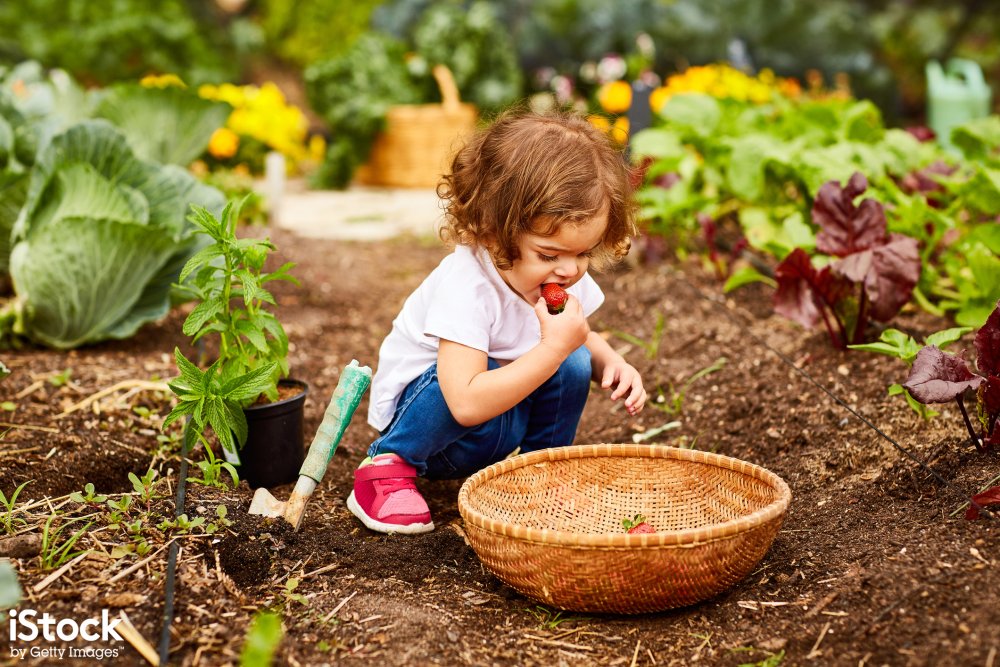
x=567, y=268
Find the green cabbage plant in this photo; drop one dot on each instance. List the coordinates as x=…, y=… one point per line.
x=100, y=239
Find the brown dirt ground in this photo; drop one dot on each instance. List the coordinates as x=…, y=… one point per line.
x=872, y=566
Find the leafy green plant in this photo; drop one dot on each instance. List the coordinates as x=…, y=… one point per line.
x=228, y=279
x=477, y=49
x=895, y=343
x=262, y=640
x=766, y=163
x=101, y=42
x=169, y=125
x=354, y=90
x=8, y=522
x=211, y=472
x=299, y=33
x=90, y=199
x=88, y=496
x=213, y=403
x=52, y=554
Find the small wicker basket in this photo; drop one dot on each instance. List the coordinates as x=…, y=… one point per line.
x=549, y=523
x=419, y=140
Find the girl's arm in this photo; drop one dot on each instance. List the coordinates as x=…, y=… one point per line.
x=611, y=370
x=475, y=395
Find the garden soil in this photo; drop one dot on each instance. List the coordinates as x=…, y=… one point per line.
x=874, y=565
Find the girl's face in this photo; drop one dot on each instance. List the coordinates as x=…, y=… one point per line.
x=562, y=258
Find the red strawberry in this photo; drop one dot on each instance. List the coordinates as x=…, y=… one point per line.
x=637, y=524
x=555, y=297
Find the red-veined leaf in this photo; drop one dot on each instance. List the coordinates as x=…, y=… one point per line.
x=988, y=344
x=990, y=496
x=938, y=377
x=845, y=228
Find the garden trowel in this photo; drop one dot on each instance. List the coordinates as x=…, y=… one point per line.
x=354, y=381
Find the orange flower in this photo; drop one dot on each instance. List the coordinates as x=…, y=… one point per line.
x=615, y=97
x=223, y=144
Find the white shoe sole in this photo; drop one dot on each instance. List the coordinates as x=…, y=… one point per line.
x=378, y=526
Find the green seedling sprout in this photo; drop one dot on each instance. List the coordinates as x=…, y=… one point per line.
x=221, y=521
x=549, y=619
x=182, y=524
x=674, y=405
x=651, y=347
x=51, y=555
x=145, y=486
x=8, y=522
x=88, y=497
x=211, y=472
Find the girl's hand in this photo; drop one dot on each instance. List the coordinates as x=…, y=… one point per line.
x=626, y=382
x=566, y=331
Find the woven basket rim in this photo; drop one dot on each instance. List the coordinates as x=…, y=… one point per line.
x=676, y=538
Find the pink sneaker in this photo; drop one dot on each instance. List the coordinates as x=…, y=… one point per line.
x=385, y=498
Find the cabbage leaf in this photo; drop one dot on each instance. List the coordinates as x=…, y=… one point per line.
x=100, y=239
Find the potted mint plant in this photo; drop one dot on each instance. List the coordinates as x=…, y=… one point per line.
x=244, y=396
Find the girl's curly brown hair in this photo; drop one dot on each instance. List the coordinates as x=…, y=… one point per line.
x=531, y=172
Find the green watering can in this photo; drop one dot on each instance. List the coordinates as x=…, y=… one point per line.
x=956, y=94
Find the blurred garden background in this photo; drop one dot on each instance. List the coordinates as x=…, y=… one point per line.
x=313, y=78
x=735, y=113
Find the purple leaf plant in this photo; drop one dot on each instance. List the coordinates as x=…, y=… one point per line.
x=872, y=274
x=939, y=377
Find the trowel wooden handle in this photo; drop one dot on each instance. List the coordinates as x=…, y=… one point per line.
x=354, y=381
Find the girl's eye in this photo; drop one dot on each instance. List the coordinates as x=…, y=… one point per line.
x=547, y=258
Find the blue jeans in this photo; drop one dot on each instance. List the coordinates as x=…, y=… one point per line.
x=424, y=433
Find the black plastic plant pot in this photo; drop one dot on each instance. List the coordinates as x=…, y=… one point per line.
x=274, y=449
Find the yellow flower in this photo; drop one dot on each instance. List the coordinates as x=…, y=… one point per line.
x=600, y=122
x=619, y=131
x=161, y=81
x=317, y=148
x=223, y=144
x=659, y=97
x=615, y=97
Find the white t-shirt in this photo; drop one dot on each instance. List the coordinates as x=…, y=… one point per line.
x=466, y=301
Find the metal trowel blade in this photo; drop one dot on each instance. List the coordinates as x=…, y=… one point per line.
x=265, y=504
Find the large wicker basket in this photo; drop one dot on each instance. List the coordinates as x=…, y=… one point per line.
x=419, y=140
x=549, y=523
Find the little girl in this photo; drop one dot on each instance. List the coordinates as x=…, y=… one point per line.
x=475, y=365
